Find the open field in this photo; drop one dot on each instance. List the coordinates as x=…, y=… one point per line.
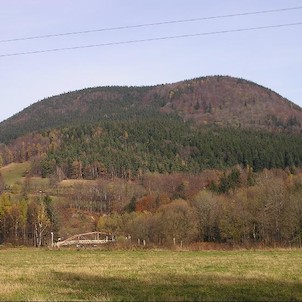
x=14, y=172
x=33, y=274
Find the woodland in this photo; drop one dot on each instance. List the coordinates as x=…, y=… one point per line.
x=149, y=173
x=235, y=189
x=237, y=208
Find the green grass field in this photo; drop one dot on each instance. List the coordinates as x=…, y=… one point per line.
x=14, y=172
x=96, y=275
x=13, y=175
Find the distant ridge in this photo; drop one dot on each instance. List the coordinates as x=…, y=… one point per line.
x=212, y=100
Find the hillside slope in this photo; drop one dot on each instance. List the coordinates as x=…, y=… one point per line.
x=218, y=100
x=234, y=102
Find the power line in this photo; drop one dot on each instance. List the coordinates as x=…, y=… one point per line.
x=150, y=24
x=150, y=39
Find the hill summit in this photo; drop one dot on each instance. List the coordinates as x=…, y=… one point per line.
x=211, y=100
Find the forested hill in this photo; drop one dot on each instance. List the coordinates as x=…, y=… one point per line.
x=197, y=160
x=213, y=100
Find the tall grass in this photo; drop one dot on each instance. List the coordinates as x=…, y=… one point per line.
x=95, y=275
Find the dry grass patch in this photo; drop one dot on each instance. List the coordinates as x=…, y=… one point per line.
x=72, y=182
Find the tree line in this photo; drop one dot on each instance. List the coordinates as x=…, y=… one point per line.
x=266, y=214
x=26, y=221
x=235, y=206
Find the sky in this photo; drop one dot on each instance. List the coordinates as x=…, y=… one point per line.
x=270, y=57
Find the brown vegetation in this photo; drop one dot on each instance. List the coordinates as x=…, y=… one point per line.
x=162, y=210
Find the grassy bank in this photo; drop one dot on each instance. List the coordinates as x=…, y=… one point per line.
x=32, y=274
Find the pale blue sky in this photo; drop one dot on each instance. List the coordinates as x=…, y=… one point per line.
x=269, y=57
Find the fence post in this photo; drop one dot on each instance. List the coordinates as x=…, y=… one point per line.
x=52, y=244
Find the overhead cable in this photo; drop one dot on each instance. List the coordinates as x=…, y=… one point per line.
x=150, y=39
x=149, y=24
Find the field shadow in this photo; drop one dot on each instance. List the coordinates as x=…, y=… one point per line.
x=173, y=288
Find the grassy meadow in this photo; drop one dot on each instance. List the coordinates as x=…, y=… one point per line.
x=14, y=172
x=150, y=275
